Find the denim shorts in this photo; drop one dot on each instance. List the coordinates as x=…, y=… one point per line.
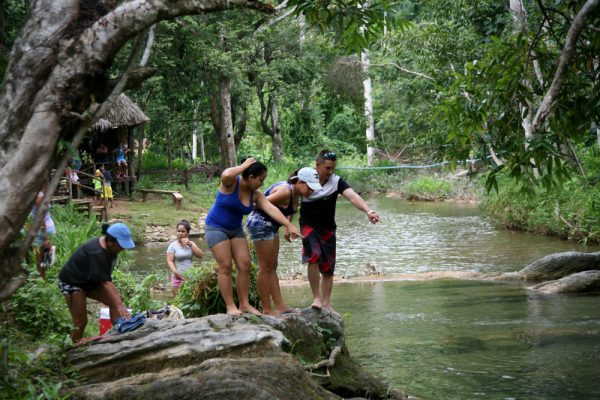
x=215, y=235
x=264, y=231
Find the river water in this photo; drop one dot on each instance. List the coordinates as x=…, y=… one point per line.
x=452, y=339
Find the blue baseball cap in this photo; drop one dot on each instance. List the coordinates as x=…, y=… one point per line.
x=121, y=232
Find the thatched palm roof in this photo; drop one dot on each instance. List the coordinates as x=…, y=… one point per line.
x=123, y=112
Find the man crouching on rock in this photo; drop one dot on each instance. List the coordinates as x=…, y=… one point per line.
x=88, y=273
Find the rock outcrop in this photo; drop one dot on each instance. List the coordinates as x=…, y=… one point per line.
x=581, y=282
x=568, y=272
x=299, y=356
x=559, y=265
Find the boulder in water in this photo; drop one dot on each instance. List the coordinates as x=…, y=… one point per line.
x=581, y=282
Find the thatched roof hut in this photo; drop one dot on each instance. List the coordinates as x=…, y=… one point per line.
x=123, y=113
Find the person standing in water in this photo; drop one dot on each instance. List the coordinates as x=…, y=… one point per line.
x=180, y=253
x=264, y=231
x=317, y=224
x=237, y=196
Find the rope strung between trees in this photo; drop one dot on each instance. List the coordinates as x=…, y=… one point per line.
x=408, y=166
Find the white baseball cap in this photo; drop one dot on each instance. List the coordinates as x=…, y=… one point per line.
x=311, y=177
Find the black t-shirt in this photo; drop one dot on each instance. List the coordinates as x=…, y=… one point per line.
x=318, y=210
x=88, y=266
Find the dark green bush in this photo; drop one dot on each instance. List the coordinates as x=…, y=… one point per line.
x=199, y=295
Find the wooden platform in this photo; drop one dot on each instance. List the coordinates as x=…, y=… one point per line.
x=177, y=197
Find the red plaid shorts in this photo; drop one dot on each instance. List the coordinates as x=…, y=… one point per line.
x=318, y=247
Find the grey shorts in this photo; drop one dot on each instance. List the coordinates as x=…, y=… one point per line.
x=215, y=235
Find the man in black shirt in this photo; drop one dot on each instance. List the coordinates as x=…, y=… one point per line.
x=317, y=223
x=88, y=273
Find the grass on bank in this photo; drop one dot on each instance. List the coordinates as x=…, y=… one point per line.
x=570, y=209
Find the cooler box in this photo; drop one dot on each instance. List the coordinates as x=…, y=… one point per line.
x=104, y=321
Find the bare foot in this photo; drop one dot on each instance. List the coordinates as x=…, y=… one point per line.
x=284, y=310
x=316, y=304
x=233, y=311
x=250, y=309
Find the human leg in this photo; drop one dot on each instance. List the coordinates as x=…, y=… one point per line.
x=264, y=251
x=314, y=278
x=222, y=253
x=241, y=255
x=327, y=267
x=76, y=301
x=311, y=254
x=108, y=294
x=278, y=302
x=326, y=290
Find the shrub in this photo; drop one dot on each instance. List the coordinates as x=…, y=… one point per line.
x=199, y=295
x=428, y=187
x=135, y=294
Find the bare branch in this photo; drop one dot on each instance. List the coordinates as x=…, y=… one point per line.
x=402, y=69
x=566, y=56
x=330, y=362
x=148, y=49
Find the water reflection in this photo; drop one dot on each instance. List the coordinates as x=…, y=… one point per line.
x=469, y=340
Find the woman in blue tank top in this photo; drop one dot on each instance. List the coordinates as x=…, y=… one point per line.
x=263, y=231
x=224, y=233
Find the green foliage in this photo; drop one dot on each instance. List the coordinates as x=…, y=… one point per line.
x=32, y=375
x=155, y=161
x=199, y=295
x=38, y=307
x=570, y=210
x=13, y=14
x=135, y=294
x=355, y=22
x=428, y=187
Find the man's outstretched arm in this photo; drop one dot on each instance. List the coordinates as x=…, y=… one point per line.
x=361, y=204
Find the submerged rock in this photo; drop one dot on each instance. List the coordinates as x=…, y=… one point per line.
x=224, y=357
x=586, y=281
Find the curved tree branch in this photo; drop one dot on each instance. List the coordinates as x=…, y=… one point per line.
x=579, y=23
x=52, y=77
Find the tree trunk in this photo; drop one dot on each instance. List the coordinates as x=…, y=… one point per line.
x=277, y=147
x=215, y=117
x=43, y=100
x=368, y=95
x=240, y=111
x=226, y=122
x=169, y=154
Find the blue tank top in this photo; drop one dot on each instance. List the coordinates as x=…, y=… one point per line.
x=227, y=211
x=259, y=217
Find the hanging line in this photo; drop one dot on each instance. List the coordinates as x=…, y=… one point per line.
x=408, y=166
